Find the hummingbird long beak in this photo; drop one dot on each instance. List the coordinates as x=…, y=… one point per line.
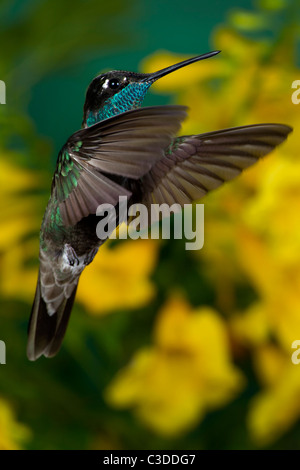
x=161, y=73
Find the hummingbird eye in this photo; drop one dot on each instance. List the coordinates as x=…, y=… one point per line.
x=113, y=83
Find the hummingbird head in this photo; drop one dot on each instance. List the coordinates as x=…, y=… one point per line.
x=115, y=92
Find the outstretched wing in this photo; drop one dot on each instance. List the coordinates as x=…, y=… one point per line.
x=127, y=145
x=194, y=165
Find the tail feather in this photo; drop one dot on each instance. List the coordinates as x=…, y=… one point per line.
x=46, y=332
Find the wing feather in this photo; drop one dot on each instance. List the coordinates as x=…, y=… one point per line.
x=194, y=165
x=127, y=145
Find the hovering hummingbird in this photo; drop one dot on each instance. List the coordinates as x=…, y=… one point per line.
x=125, y=150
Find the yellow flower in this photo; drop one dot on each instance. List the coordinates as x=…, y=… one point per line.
x=18, y=209
x=251, y=328
x=20, y=219
x=187, y=371
x=275, y=409
x=119, y=276
x=269, y=248
x=12, y=433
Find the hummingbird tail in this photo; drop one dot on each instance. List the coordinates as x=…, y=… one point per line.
x=46, y=332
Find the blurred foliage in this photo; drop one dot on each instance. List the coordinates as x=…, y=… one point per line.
x=194, y=349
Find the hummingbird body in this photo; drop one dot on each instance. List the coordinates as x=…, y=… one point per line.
x=125, y=150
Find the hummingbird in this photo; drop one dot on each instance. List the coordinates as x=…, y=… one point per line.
x=123, y=149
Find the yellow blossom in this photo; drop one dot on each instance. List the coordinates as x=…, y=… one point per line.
x=275, y=409
x=21, y=212
x=12, y=433
x=185, y=373
x=251, y=328
x=119, y=276
x=271, y=239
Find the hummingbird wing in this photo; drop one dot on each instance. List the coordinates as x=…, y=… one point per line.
x=194, y=165
x=127, y=145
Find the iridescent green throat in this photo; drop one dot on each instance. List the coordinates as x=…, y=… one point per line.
x=131, y=97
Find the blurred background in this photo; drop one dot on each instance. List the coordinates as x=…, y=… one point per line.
x=166, y=348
